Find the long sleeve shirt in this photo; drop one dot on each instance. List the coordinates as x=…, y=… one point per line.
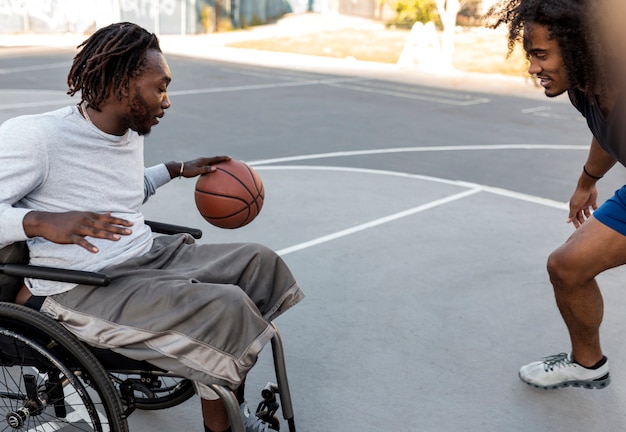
x=58, y=162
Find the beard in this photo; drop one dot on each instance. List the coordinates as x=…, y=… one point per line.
x=139, y=118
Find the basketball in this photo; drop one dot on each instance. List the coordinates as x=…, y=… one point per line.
x=230, y=197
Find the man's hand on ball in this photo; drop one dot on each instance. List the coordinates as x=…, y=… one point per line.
x=195, y=167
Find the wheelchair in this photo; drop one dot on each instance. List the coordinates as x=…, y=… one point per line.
x=51, y=381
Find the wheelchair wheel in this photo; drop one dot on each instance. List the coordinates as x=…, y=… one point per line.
x=49, y=380
x=153, y=391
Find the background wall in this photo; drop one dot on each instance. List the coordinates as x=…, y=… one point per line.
x=160, y=16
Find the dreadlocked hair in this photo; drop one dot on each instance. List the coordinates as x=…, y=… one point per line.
x=567, y=22
x=108, y=60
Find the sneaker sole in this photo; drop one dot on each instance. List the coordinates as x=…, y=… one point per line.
x=598, y=383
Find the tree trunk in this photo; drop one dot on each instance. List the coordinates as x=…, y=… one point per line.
x=448, y=10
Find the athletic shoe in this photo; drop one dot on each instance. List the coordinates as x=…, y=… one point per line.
x=561, y=371
x=252, y=422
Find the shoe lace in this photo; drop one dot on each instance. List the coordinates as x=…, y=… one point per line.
x=557, y=360
x=255, y=424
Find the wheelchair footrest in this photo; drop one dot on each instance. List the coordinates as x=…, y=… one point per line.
x=267, y=408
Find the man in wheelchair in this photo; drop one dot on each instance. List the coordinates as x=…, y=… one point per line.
x=73, y=182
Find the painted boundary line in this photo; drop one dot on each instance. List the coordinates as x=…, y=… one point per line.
x=262, y=86
x=446, y=99
x=473, y=188
x=376, y=222
x=419, y=149
x=350, y=83
x=7, y=71
x=59, y=102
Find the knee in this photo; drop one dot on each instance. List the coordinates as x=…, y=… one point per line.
x=261, y=251
x=563, y=270
x=260, y=255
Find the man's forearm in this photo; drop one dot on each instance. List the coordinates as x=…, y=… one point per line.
x=598, y=163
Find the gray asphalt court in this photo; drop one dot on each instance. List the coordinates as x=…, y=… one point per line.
x=417, y=212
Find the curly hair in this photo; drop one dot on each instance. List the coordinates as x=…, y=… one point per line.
x=108, y=60
x=569, y=23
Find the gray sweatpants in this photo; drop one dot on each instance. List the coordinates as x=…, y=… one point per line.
x=199, y=311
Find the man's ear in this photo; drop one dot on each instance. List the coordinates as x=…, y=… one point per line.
x=124, y=87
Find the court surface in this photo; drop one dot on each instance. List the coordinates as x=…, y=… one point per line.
x=416, y=211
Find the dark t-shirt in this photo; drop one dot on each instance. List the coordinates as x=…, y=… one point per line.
x=608, y=130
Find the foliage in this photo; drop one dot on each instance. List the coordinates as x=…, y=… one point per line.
x=408, y=12
x=470, y=13
x=207, y=18
x=471, y=8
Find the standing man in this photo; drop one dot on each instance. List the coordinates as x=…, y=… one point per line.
x=73, y=182
x=566, y=55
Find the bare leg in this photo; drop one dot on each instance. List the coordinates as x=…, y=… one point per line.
x=215, y=415
x=214, y=412
x=592, y=249
x=582, y=309
x=22, y=295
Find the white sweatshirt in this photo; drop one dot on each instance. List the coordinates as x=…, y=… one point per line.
x=57, y=162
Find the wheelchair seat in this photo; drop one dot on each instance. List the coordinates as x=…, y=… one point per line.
x=49, y=380
x=15, y=253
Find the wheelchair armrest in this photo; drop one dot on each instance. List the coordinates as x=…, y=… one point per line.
x=22, y=270
x=55, y=274
x=165, y=228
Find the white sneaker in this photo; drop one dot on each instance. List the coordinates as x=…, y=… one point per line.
x=561, y=371
x=252, y=422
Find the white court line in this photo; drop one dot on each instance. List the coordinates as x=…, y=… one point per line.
x=485, y=188
x=190, y=92
x=524, y=197
x=450, y=99
x=376, y=222
x=33, y=92
x=35, y=104
x=293, y=76
x=473, y=188
x=546, y=112
x=559, y=116
x=261, y=86
x=536, y=109
x=30, y=91
x=33, y=68
x=420, y=149
x=362, y=171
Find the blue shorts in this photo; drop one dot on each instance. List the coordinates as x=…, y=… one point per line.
x=613, y=212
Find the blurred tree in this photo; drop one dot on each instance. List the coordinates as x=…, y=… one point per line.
x=448, y=10
x=470, y=13
x=408, y=12
x=471, y=8
x=443, y=13
x=207, y=18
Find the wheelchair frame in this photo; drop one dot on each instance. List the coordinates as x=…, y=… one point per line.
x=49, y=380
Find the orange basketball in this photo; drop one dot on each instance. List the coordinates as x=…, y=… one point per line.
x=230, y=197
